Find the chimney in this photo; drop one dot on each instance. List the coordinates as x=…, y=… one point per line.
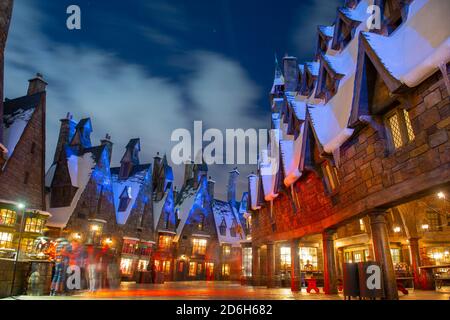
x=66, y=132
x=290, y=70
x=211, y=184
x=6, y=7
x=231, y=189
x=37, y=84
x=188, y=171
x=109, y=145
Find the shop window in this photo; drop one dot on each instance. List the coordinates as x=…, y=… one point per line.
x=142, y=265
x=192, y=269
x=358, y=257
x=399, y=128
x=226, y=250
x=166, y=267
x=225, y=270
x=308, y=258
x=165, y=242
x=285, y=259
x=129, y=247
x=7, y=217
x=6, y=240
x=247, y=262
x=199, y=268
x=27, y=245
x=126, y=266
x=439, y=255
x=198, y=246
x=396, y=255
x=331, y=177
x=34, y=225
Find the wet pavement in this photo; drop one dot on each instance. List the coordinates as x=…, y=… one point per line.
x=217, y=291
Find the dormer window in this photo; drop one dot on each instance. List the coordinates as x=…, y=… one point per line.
x=201, y=222
x=344, y=30
x=223, y=228
x=394, y=12
x=233, y=228
x=328, y=81
x=124, y=199
x=331, y=176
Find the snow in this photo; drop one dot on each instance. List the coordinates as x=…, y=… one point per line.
x=223, y=210
x=184, y=208
x=132, y=186
x=291, y=151
x=253, y=190
x=80, y=169
x=269, y=165
x=299, y=108
x=328, y=31
x=313, y=67
x=357, y=14
x=14, y=126
x=415, y=50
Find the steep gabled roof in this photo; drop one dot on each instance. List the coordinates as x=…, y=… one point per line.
x=17, y=114
x=225, y=214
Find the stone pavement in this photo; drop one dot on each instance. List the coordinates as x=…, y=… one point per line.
x=216, y=291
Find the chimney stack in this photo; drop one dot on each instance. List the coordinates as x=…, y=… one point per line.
x=231, y=189
x=36, y=85
x=66, y=133
x=211, y=184
x=109, y=145
x=290, y=71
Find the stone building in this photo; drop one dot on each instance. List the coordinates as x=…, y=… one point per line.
x=362, y=137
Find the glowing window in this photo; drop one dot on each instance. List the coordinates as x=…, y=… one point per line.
x=165, y=242
x=7, y=217
x=27, y=245
x=192, y=269
x=285, y=259
x=126, y=266
x=226, y=250
x=166, y=267
x=411, y=135
x=395, y=131
x=198, y=246
x=247, y=262
x=34, y=225
x=308, y=258
x=142, y=265
x=6, y=240
x=396, y=255
x=225, y=269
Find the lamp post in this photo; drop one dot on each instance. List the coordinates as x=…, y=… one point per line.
x=21, y=208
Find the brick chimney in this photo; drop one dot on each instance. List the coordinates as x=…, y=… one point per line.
x=106, y=141
x=290, y=71
x=231, y=188
x=66, y=131
x=6, y=7
x=37, y=84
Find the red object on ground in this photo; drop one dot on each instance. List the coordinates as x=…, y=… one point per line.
x=401, y=288
x=312, y=285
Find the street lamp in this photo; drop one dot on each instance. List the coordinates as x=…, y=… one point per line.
x=21, y=206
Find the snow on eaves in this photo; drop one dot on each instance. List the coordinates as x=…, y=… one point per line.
x=313, y=67
x=224, y=212
x=253, y=191
x=327, y=30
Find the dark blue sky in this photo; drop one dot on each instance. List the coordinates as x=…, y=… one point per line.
x=143, y=68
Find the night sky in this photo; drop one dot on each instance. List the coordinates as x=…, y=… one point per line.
x=144, y=68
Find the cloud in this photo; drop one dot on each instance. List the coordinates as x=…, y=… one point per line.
x=318, y=12
x=122, y=98
x=158, y=37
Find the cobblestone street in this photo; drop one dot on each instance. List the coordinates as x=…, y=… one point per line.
x=217, y=291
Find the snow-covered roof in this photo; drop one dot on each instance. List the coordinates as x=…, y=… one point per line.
x=17, y=114
x=253, y=187
x=313, y=67
x=80, y=169
x=131, y=187
x=327, y=30
x=184, y=205
x=359, y=13
x=269, y=165
x=417, y=48
x=225, y=213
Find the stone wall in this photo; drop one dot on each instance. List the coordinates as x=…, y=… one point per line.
x=371, y=175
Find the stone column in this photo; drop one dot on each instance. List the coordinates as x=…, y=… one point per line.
x=295, y=266
x=329, y=262
x=382, y=251
x=414, y=254
x=270, y=265
x=256, y=271
x=340, y=262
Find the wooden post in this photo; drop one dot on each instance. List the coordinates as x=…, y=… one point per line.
x=382, y=252
x=270, y=265
x=329, y=263
x=295, y=266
